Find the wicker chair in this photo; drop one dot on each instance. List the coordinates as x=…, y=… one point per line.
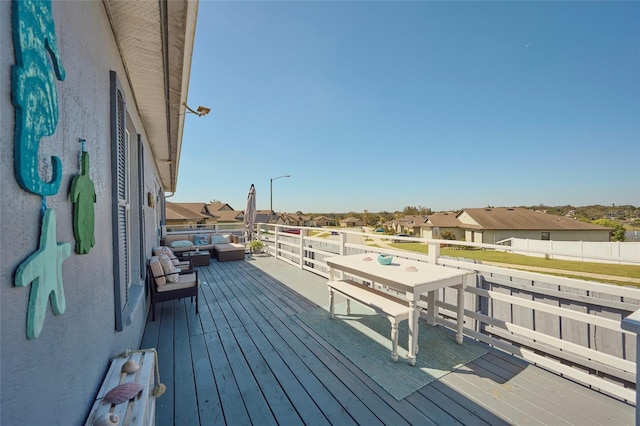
x=161, y=290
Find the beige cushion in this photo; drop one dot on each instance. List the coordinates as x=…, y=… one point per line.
x=229, y=247
x=169, y=268
x=184, y=281
x=157, y=271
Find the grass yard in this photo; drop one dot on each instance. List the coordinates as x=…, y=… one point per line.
x=320, y=234
x=624, y=271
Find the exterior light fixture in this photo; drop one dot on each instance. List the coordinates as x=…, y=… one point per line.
x=200, y=111
x=271, y=189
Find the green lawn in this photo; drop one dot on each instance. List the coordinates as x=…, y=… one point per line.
x=319, y=234
x=625, y=271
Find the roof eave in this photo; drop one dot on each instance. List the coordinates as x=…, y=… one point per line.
x=157, y=61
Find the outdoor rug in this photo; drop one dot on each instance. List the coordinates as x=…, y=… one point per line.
x=364, y=338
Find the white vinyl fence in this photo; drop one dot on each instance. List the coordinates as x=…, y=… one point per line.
x=587, y=251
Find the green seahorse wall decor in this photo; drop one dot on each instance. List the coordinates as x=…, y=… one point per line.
x=83, y=195
x=33, y=90
x=43, y=270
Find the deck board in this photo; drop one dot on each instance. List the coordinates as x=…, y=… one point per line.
x=209, y=406
x=246, y=358
x=552, y=400
x=185, y=406
x=307, y=405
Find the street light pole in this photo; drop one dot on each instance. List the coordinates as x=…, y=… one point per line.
x=271, y=192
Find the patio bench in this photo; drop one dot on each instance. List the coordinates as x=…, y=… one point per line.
x=138, y=410
x=394, y=309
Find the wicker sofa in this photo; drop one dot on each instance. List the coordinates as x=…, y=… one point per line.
x=222, y=246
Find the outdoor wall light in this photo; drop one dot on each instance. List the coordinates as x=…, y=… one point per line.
x=200, y=111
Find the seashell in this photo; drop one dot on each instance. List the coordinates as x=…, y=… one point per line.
x=130, y=367
x=368, y=259
x=411, y=269
x=107, y=419
x=122, y=393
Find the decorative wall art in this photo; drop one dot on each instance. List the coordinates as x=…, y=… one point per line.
x=34, y=97
x=43, y=270
x=83, y=195
x=34, y=92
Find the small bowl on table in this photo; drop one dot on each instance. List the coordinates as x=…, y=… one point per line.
x=385, y=259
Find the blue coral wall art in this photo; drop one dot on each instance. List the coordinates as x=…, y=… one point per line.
x=34, y=94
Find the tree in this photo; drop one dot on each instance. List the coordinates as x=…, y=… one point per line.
x=448, y=235
x=416, y=211
x=410, y=211
x=618, y=233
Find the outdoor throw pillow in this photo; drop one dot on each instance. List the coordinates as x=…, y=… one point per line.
x=164, y=250
x=157, y=271
x=201, y=240
x=181, y=243
x=169, y=268
x=218, y=239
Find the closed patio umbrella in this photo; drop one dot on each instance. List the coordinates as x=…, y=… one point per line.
x=250, y=212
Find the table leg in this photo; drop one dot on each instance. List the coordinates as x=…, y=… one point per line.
x=413, y=328
x=331, y=309
x=431, y=314
x=394, y=340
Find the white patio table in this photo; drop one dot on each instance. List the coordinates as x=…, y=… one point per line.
x=411, y=277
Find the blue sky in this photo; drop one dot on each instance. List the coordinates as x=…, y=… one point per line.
x=382, y=105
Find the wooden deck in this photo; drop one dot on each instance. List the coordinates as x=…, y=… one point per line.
x=247, y=359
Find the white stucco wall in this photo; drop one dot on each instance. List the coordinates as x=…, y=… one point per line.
x=54, y=378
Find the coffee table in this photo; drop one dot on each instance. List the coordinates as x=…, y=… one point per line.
x=197, y=258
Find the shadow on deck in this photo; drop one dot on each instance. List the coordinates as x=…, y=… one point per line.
x=247, y=359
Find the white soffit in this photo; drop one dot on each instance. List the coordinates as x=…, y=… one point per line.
x=155, y=39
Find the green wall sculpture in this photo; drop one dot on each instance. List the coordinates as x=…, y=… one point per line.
x=43, y=270
x=83, y=195
x=33, y=90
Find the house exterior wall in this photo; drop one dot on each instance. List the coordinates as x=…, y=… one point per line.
x=473, y=236
x=466, y=219
x=54, y=378
x=426, y=233
x=436, y=232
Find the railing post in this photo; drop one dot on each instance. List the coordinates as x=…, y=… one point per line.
x=275, y=241
x=303, y=233
x=343, y=244
x=632, y=323
x=434, y=252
